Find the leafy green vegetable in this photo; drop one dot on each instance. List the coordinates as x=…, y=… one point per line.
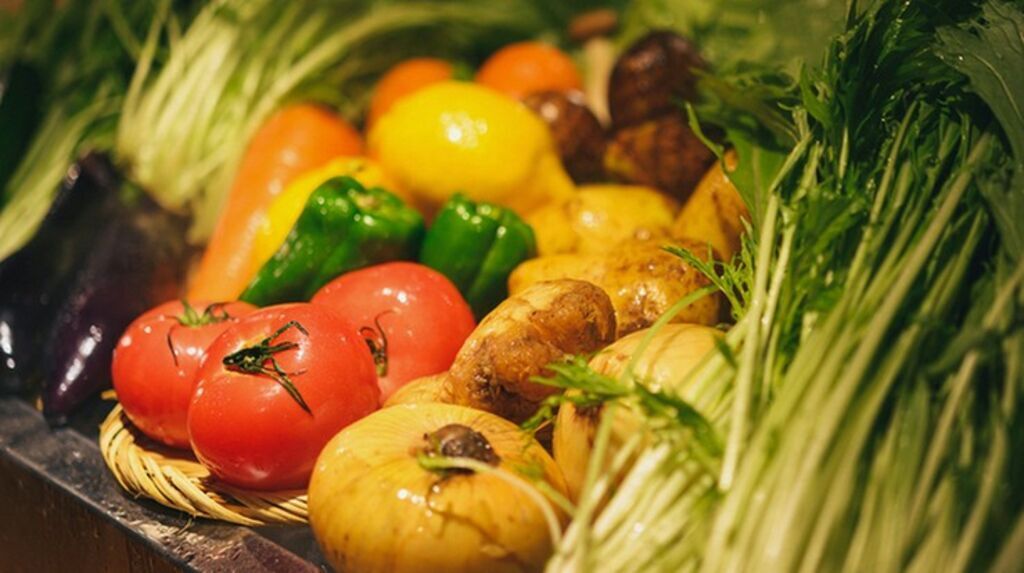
x=730, y=32
x=873, y=391
x=981, y=49
x=85, y=51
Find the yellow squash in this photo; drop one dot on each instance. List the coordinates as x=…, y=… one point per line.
x=457, y=136
x=374, y=508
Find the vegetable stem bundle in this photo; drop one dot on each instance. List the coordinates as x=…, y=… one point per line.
x=871, y=390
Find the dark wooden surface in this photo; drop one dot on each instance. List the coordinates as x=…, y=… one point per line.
x=61, y=510
x=44, y=529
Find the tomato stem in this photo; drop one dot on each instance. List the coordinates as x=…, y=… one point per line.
x=377, y=340
x=253, y=360
x=213, y=313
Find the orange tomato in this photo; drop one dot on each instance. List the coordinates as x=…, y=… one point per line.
x=294, y=140
x=527, y=67
x=403, y=79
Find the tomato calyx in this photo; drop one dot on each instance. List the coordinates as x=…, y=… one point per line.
x=377, y=340
x=214, y=313
x=253, y=360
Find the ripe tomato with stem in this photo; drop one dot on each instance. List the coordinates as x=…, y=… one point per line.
x=274, y=389
x=156, y=360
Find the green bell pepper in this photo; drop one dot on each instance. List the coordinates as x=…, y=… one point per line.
x=477, y=245
x=343, y=227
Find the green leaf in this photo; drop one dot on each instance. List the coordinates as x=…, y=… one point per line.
x=989, y=50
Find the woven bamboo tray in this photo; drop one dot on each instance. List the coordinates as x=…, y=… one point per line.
x=175, y=478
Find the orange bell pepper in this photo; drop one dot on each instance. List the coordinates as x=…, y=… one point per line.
x=294, y=140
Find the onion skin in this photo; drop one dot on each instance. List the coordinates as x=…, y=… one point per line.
x=674, y=352
x=426, y=390
x=375, y=509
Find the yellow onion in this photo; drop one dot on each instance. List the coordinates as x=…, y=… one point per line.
x=674, y=352
x=434, y=388
x=374, y=507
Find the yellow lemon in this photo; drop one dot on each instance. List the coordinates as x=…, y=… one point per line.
x=456, y=136
x=286, y=208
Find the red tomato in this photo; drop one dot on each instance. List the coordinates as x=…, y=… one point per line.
x=412, y=316
x=156, y=360
x=274, y=389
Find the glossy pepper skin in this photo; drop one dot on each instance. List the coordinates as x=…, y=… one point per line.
x=343, y=227
x=477, y=245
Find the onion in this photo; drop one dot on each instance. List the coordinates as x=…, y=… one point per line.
x=673, y=353
x=434, y=487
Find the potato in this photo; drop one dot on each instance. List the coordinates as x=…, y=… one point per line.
x=652, y=77
x=714, y=213
x=663, y=153
x=598, y=217
x=674, y=352
x=578, y=133
x=642, y=280
x=544, y=323
x=588, y=268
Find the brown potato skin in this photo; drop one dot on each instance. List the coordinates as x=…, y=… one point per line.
x=543, y=323
x=580, y=138
x=715, y=212
x=598, y=217
x=652, y=76
x=642, y=280
x=663, y=153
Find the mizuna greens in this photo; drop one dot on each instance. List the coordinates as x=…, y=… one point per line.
x=869, y=396
x=83, y=53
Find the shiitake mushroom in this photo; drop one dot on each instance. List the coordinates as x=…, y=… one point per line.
x=662, y=153
x=652, y=77
x=578, y=133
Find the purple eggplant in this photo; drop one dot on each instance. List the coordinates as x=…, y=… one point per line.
x=138, y=260
x=36, y=279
